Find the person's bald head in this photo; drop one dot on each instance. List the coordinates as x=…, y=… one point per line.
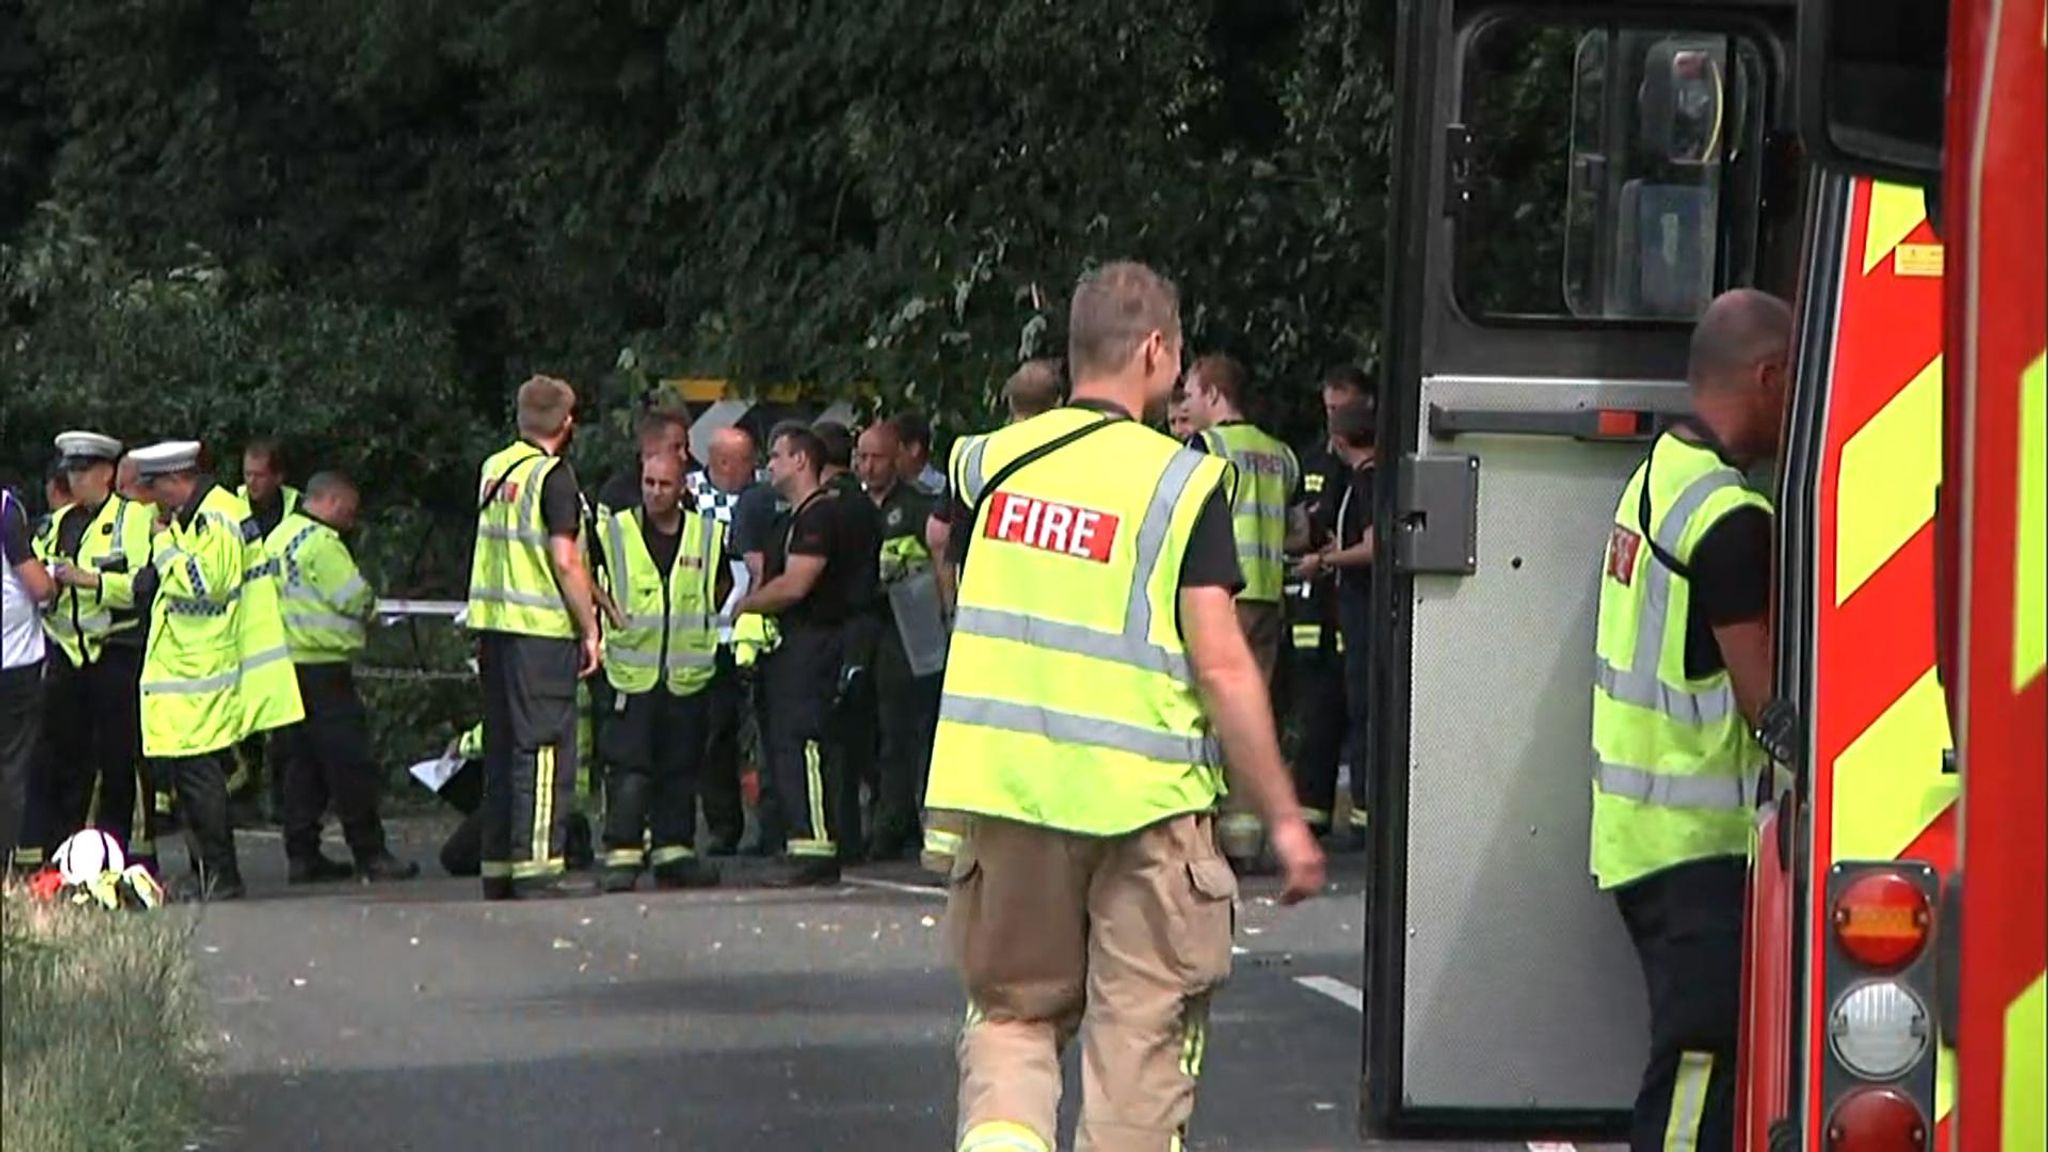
x=732, y=458
x=876, y=457
x=661, y=482
x=1739, y=367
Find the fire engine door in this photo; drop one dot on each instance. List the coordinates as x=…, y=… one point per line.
x=1572, y=185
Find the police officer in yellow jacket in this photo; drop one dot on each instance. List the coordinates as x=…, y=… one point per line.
x=665, y=563
x=1681, y=678
x=1096, y=657
x=94, y=549
x=327, y=607
x=216, y=668
x=531, y=601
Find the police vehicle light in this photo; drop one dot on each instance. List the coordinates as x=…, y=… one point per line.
x=1877, y=1120
x=1881, y=920
x=1879, y=1029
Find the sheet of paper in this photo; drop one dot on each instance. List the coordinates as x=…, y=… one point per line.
x=434, y=773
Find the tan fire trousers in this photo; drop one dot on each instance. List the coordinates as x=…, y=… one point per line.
x=1120, y=939
x=1265, y=629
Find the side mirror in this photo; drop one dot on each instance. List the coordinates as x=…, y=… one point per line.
x=1872, y=88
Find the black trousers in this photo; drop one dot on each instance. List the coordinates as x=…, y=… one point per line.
x=653, y=747
x=802, y=681
x=202, y=784
x=1686, y=923
x=725, y=710
x=21, y=725
x=907, y=711
x=1320, y=709
x=529, y=687
x=92, y=719
x=328, y=761
x=853, y=734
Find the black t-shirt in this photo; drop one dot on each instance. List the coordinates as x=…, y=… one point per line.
x=1211, y=558
x=1731, y=584
x=845, y=533
x=1350, y=520
x=756, y=520
x=561, y=502
x=1323, y=477
x=663, y=546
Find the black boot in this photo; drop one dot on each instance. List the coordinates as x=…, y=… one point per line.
x=317, y=868
x=686, y=874
x=803, y=872
x=381, y=867
x=554, y=888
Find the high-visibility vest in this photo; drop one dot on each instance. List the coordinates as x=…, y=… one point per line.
x=326, y=603
x=216, y=668
x=1267, y=472
x=1676, y=765
x=1068, y=700
x=671, y=632
x=81, y=619
x=512, y=585
x=290, y=495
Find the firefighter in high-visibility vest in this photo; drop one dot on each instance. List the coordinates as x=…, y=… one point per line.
x=531, y=601
x=216, y=668
x=1096, y=654
x=1681, y=678
x=665, y=564
x=327, y=607
x=1268, y=482
x=92, y=713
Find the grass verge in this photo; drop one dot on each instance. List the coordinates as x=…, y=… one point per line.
x=99, y=1037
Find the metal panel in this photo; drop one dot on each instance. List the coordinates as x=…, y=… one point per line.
x=1521, y=989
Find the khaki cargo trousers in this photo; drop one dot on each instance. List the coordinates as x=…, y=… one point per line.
x=1119, y=939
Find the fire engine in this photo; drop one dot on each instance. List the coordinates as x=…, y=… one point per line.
x=1572, y=183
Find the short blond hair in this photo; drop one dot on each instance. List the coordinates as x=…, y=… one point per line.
x=1115, y=308
x=545, y=404
x=1033, y=388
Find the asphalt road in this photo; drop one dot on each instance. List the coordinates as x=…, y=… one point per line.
x=417, y=1017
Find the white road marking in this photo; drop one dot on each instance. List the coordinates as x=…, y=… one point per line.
x=926, y=890
x=1335, y=989
x=1540, y=1146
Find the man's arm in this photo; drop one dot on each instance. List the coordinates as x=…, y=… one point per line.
x=1234, y=694
x=204, y=563
x=17, y=549
x=561, y=510
x=787, y=590
x=1731, y=584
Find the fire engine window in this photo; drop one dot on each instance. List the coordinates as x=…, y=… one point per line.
x=1608, y=171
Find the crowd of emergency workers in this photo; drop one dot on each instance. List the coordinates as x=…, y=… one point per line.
x=1049, y=723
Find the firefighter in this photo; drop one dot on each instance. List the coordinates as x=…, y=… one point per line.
x=812, y=589
x=1095, y=649
x=665, y=564
x=215, y=669
x=530, y=601
x=1268, y=481
x=95, y=547
x=1682, y=676
x=327, y=607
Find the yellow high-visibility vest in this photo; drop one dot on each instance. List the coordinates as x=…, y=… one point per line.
x=671, y=632
x=1267, y=473
x=1676, y=765
x=215, y=668
x=512, y=585
x=326, y=603
x=81, y=619
x=1068, y=701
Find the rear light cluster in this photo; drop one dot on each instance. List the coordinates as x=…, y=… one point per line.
x=1878, y=1086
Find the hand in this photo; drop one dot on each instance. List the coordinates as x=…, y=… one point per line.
x=593, y=656
x=1301, y=859
x=1311, y=566
x=74, y=577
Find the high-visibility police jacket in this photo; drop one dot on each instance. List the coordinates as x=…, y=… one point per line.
x=671, y=633
x=116, y=545
x=512, y=585
x=1068, y=701
x=215, y=668
x=1675, y=762
x=285, y=492
x=1267, y=475
x=326, y=603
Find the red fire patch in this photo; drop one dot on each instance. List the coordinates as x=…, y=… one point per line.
x=1622, y=547
x=1063, y=528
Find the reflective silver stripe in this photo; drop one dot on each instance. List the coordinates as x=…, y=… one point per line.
x=1152, y=538
x=1116, y=648
x=1639, y=684
x=217, y=683
x=971, y=470
x=1259, y=552
x=351, y=588
x=1717, y=793
x=1261, y=511
x=1068, y=728
x=633, y=658
x=521, y=535
x=323, y=619
x=680, y=624
x=521, y=599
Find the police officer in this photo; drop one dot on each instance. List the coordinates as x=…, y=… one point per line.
x=1095, y=649
x=811, y=590
x=259, y=765
x=664, y=562
x=1682, y=675
x=530, y=601
x=216, y=668
x=727, y=479
x=327, y=608
x=94, y=548
x=906, y=705
x=1268, y=481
